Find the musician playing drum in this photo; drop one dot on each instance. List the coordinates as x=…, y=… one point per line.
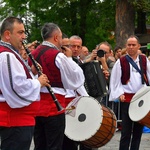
x=127, y=78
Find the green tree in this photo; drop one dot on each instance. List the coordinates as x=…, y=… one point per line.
x=90, y=19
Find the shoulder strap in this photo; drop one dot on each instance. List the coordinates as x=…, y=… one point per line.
x=130, y=60
x=143, y=71
x=42, y=51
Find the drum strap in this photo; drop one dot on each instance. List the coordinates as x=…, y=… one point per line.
x=130, y=60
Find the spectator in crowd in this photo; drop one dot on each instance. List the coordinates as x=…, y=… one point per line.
x=63, y=74
x=124, y=83
x=65, y=43
x=76, y=46
x=117, y=51
x=110, y=60
x=140, y=52
x=124, y=51
x=19, y=90
x=84, y=52
x=23, y=54
x=33, y=45
x=65, y=40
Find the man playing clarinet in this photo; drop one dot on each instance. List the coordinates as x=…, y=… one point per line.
x=63, y=73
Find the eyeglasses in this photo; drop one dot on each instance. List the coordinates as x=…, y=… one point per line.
x=74, y=46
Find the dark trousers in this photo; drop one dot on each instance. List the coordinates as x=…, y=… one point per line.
x=83, y=147
x=131, y=131
x=69, y=144
x=16, y=138
x=49, y=132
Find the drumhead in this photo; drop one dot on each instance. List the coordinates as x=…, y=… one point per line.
x=86, y=120
x=140, y=104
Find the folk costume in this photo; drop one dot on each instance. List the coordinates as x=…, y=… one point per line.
x=125, y=79
x=63, y=73
x=19, y=98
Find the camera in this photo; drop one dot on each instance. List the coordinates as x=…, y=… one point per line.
x=100, y=53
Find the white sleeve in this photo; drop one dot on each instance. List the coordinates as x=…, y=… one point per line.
x=18, y=91
x=115, y=86
x=71, y=73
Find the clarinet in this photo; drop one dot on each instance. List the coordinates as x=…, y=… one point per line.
x=59, y=107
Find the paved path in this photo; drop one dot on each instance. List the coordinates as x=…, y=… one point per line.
x=113, y=144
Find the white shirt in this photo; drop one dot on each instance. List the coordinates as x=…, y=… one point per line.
x=26, y=88
x=134, y=84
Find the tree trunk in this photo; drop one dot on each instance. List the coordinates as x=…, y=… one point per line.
x=125, y=18
x=74, y=18
x=84, y=9
x=141, y=22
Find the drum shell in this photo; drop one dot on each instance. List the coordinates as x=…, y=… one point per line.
x=105, y=132
x=146, y=120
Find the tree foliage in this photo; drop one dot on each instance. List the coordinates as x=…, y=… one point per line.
x=141, y=5
x=92, y=20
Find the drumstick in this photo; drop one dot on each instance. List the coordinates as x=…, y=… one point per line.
x=71, y=108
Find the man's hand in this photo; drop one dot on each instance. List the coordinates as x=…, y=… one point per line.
x=106, y=74
x=122, y=98
x=67, y=51
x=43, y=80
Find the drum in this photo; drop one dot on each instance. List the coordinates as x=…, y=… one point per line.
x=89, y=122
x=139, y=109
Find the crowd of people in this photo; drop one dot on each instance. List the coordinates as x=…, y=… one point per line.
x=27, y=108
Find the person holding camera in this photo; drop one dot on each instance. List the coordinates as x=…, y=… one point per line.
x=110, y=59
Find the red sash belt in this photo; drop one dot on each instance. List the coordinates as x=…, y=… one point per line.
x=128, y=97
x=10, y=117
x=48, y=107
